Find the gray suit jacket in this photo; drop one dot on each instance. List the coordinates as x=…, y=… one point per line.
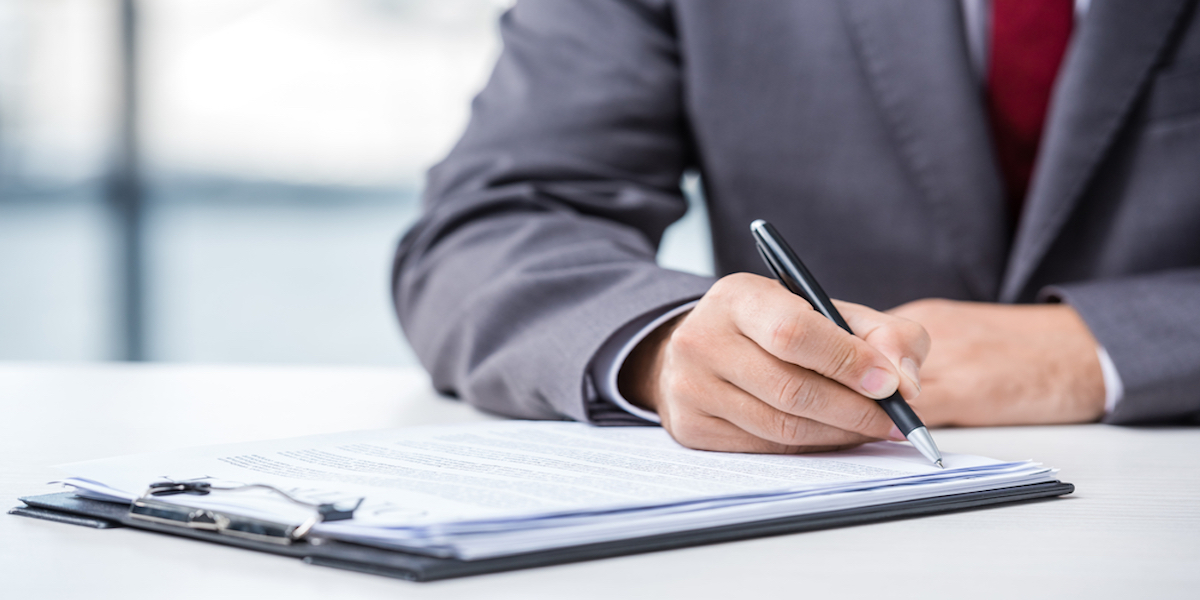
x=858, y=128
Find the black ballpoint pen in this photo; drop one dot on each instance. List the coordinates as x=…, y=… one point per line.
x=792, y=273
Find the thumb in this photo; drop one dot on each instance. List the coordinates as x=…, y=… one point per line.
x=905, y=343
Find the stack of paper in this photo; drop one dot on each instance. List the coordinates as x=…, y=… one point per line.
x=491, y=489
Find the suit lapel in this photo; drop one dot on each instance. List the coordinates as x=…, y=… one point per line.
x=1109, y=61
x=916, y=59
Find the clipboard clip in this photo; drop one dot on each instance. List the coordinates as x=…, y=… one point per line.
x=149, y=508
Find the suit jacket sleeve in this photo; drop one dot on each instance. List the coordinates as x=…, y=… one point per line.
x=1150, y=326
x=540, y=228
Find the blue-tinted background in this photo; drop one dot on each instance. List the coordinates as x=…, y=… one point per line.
x=281, y=147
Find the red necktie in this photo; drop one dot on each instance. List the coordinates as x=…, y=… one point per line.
x=1029, y=39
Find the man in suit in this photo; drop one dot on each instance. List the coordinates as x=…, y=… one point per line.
x=1055, y=282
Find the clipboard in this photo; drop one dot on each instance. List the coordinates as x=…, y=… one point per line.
x=66, y=507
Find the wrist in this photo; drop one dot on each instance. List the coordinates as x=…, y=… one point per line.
x=1085, y=375
x=638, y=378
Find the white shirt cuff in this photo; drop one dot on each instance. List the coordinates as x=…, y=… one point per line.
x=1114, y=388
x=610, y=358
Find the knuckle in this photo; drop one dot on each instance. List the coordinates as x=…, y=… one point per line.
x=787, y=334
x=727, y=286
x=796, y=393
x=844, y=361
x=688, y=342
x=790, y=428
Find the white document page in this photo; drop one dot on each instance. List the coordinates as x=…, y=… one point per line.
x=461, y=486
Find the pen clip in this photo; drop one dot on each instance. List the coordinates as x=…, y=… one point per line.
x=765, y=239
x=789, y=269
x=767, y=258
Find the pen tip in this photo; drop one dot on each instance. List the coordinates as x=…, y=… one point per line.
x=939, y=464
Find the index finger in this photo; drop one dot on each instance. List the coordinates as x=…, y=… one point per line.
x=786, y=326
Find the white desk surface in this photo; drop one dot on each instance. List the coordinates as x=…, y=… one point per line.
x=1131, y=530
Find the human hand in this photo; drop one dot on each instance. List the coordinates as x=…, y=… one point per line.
x=996, y=364
x=753, y=368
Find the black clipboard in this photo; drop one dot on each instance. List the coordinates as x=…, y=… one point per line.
x=66, y=507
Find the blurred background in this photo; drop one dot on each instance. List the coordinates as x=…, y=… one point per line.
x=226, y=180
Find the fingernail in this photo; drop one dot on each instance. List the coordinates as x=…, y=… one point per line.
x=895, y=434
x=909, y=366
x=880, y=383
